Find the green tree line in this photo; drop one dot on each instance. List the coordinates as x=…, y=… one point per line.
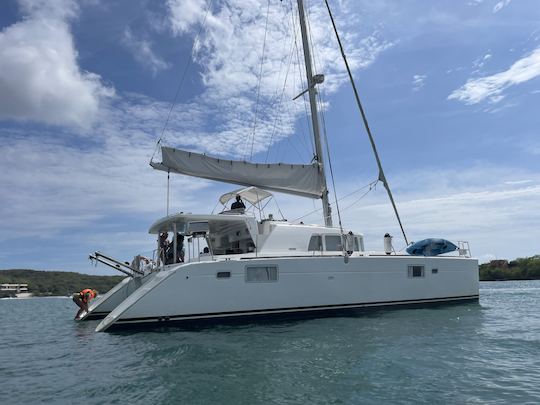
x=527, y=268
x=58, y=282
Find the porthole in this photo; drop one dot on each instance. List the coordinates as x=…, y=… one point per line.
x=415, y=271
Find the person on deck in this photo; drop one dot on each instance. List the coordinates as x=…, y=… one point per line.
x=82, y=299
x=238, y=203
x=179, y=248
x=163, y=246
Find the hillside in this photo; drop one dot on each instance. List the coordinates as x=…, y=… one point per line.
x=527, y=268
x=58, y=282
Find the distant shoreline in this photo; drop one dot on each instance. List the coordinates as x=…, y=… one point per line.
x=527, y=268
x=55, y=283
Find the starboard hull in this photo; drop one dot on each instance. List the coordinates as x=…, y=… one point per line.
x=304, y=286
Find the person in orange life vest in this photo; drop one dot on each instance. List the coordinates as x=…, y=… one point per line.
x=82, y=299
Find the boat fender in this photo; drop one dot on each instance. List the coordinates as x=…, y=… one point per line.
x=388, y=243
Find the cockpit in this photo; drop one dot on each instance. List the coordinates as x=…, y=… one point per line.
x=237, y=231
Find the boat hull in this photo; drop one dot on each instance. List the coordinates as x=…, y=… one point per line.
x=307, y=286
x=105, y=304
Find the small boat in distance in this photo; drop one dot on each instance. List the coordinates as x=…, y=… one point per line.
x=246, y=264
x=14, y=290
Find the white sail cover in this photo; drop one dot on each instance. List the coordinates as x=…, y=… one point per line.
x=303, y=180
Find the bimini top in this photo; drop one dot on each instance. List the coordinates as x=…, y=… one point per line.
x=182, y=220
x=253, y=195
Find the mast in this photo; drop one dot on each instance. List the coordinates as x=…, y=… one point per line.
x=314, y=113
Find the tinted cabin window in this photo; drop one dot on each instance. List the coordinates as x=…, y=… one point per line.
x=333, y=243
x=416, y=271
x=315, y=243
x=261, y=274
x=356, y=245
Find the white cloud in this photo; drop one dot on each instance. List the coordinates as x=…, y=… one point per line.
x=500, y=5
x=479, y=63
x=185, y=14
x=517, y=182
x=492, y=87
x=40, y=79
x=496, y=8
x=68, y=186
x=58, y=184
x=143, y=53
x=476, y=205
x=229, y=50
x=418, y=82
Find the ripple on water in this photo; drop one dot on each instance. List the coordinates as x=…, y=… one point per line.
x=486, y=353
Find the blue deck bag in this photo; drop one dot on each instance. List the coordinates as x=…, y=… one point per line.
x=431, y=247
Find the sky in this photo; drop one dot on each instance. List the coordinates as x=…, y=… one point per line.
x=451, y=90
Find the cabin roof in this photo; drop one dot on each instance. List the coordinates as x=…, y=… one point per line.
x=165, y=224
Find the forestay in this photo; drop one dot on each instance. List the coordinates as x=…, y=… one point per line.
x=302, y=180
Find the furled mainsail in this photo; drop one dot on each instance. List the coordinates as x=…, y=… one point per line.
x=303, y=180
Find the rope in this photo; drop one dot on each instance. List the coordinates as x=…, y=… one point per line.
x=382, y=177
x=343, y=247
x=370, y=185
x=189, y=62
x=168, y=187
x=259, y=83
x=280, y=103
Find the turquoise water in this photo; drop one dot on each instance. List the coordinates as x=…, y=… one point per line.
x=471, y=353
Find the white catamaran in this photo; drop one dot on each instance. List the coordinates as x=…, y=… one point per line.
x=260, y=266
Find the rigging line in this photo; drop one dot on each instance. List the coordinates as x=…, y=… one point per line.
x=292, y=114
x=168, y=188
x=340, y=199
x=278, y=208
x=189, y=62
x=212, y=213
x=280, y=103
x=331, y=174
x=259, y=82
x=289, y=141
x=382, y=177
x=284, y=61
x=372, y=186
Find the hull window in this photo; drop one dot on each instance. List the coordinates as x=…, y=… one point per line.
x=333, y=243
x=315, y=243
x=261, y=274
x=415, y=271
x=223, y=274
x=434, y=271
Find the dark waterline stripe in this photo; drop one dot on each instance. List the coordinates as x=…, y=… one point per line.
x=292, y=309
